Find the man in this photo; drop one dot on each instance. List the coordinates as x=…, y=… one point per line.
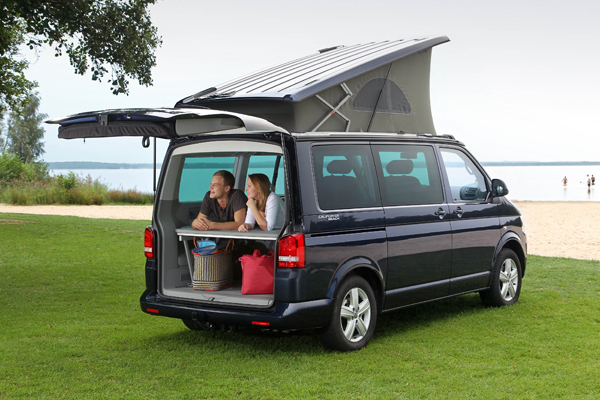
x=225, y=202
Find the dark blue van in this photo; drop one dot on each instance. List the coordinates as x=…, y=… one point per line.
x=376, y=218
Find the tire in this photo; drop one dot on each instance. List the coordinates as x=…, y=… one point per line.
x=506, y=281
x=196, y=325
x=353, y=317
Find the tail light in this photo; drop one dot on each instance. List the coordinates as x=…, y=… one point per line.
x=149, y=242
x=291, y=252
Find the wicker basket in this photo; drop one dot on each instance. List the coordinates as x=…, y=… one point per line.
x=213, y=271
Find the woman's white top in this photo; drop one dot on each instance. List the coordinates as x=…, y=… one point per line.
x=274, y=213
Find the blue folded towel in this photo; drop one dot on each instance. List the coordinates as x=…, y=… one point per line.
x=204, y=247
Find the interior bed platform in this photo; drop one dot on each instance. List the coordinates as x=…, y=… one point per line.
x=231, y=295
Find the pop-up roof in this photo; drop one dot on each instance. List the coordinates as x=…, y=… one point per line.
x=376, y=87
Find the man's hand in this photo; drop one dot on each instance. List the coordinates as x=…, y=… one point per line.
x=201, y=224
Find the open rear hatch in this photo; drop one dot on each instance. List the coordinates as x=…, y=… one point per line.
x=182, y=188
x=166, y=123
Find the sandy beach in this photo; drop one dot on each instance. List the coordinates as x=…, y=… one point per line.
x=554, y=228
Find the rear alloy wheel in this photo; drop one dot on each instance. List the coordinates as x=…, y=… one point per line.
x=353, y=316
x=506, y=281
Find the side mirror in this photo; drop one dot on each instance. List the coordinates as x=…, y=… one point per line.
x=499, y=188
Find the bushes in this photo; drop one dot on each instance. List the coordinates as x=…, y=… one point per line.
x=29, y=183
x=131, y=196
x=68, y=181
x=12, y=168
x=61, y=189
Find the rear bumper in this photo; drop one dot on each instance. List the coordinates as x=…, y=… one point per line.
x=305, y=315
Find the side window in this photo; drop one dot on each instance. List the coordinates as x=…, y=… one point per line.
x=466, y=181
x=344, y=177
x=409, y=175
x=197, y=173
x=271, y=166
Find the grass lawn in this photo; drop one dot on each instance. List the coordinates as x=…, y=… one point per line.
x=71, y=327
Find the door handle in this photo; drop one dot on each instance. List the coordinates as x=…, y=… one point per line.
x=459, y=212
x=440, y=212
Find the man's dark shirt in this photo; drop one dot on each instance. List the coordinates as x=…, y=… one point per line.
x=237, y=201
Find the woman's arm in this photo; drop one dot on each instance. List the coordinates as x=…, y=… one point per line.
x=267, y=222
x=272, y=211
x=249, y=222
x=260, y=220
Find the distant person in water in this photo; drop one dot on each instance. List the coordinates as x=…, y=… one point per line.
x=589, y=181
x=564, y=181
x=593, y=180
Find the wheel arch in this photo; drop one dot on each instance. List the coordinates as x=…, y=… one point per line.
x=512, y=241
x=366, y=269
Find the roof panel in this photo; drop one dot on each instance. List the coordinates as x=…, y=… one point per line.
x=314, y=73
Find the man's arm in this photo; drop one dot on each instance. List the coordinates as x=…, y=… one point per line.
x=239, y=217
x=201, y=222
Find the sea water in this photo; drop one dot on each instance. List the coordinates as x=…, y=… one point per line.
x=544, y=183
x=535, y=183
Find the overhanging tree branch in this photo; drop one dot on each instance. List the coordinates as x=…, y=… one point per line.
x=102, y=36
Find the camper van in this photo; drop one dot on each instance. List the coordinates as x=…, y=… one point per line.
x=379, y=211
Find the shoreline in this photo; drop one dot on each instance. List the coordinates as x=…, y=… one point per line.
x=554, y=228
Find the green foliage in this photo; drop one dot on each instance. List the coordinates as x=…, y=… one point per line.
x=68, y=181
x=88, y=191
x=114, y=37
x=13, y=169
x=131, y=196
x=37, y=171
x=62, y=189
x=14, y=87
x=29, y=183
x=24, y=133
x=72, y=328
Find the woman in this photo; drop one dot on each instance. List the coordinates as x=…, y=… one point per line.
x=265, y=208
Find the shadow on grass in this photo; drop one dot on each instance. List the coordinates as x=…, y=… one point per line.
x=416, y=317
x=252, y=339
x=391, y=324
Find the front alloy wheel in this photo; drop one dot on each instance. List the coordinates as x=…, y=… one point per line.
x=509, y=279
x=506, y=281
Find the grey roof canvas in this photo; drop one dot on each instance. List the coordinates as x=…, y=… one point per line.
x=307, y=76
x=373, y=87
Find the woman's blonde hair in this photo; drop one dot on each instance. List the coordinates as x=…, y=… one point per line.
x=263, y=184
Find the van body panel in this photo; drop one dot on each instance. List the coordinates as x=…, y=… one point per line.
x=303, y=315
x=328, y=254
x=418, y=254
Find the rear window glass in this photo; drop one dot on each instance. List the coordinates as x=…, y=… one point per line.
x=345, y=177
x=197, y=173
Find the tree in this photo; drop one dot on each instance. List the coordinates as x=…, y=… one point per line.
x=96, y=34
x=14, y=87
x=1, y=138
x=24, y=132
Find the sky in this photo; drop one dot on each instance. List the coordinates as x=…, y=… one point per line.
x=518, y=81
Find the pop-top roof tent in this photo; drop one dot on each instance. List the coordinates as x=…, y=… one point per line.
x=374, y=87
